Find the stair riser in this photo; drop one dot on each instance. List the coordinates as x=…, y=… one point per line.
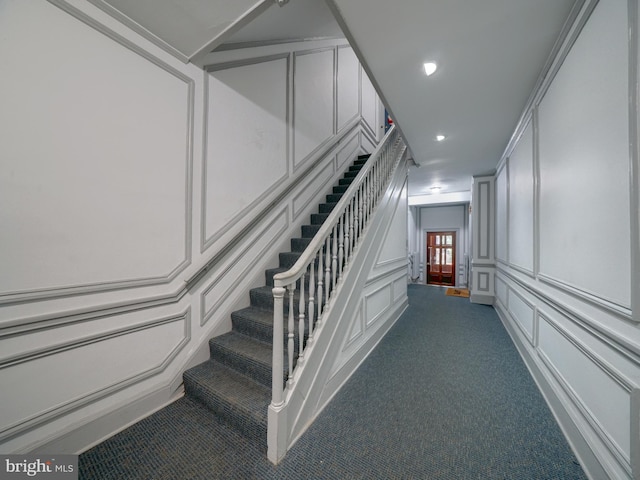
x=308, y=231
x=269, y=274
x=300, y=244
x=265, y=302
x=257, y=371
x=252, y=428
x=261, y=331
x=288, y=259
x=319, y=218
x=326, y=207
x=345, y=181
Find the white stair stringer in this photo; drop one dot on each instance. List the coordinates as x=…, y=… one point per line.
x=315, y=382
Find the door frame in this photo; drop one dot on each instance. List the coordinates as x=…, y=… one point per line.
x=423, y=251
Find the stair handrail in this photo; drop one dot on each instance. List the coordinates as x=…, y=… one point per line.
x=332, y=247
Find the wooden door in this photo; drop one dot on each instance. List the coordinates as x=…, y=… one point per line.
x=441, y=258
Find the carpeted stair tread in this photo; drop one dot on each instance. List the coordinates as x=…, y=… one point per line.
x=319, y=218
x=326, y=207
x=247, y=355
x=262, y=297
x=254, y=321
x=288, y=259
x=258, y=323
x=308, y=231
x=269, y=274
x=237, y=399
x=235, y=382
x=300, y=244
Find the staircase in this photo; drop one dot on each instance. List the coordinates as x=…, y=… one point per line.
x=235, y=383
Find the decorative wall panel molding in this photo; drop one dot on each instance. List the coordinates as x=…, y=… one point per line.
x=59, y=370
x=357, y=329
x=313, y=102
x=347, y=152
x=367, y=142
x=604, y=303
x=253, y=135
x=376, y=303
x=582, y=374
x=520, y=205
x=107, y=8
x=347, y=82
x=369, y=104
x=318, y=183
x=239, y=266
x=595, y=143
x=483, y=228
x=399, y=288
x=484, y=282
x=502, y=213
x=502, y=291
x=524, y=314
x=81, y=219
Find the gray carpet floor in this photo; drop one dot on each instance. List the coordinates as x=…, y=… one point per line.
x=444, y=395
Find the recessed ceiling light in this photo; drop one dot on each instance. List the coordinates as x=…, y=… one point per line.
x=430, y=68
x=440, y=137
x=435, y=189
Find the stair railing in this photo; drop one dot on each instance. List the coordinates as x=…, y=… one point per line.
x=320, y=267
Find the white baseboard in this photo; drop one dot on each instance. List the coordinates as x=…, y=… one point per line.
x=581, y=449
x=79, y=438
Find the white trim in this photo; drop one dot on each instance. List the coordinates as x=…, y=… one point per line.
x=71, y=405
x=29, y=295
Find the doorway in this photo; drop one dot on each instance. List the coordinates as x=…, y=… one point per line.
x=441, y=258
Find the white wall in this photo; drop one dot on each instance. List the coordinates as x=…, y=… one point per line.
x=567, y=240
x=438, y=219
x=123, y=173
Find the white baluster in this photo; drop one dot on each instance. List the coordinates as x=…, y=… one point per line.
x=361, y=224
x=312, y=285
x=341, y=248
x=291, y=335
x=356, y=220
x=327, y=275
x=365, y=203
x=301, y=322
x=350, y=243
x=334, y=258
x=278, y=347
x=320, y=287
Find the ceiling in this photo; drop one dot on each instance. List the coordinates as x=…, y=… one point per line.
x=490, y=54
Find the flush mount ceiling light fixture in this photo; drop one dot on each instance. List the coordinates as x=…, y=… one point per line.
x=440, y=138
x=430, y=68
x=435, y=189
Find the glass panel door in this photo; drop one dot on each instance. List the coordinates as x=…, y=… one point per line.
x=441, y=258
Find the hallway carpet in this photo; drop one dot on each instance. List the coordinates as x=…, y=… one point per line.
x=443, y=396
